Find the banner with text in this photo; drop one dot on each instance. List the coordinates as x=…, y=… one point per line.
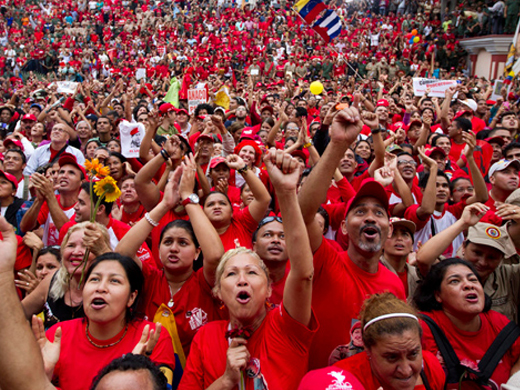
x=437, y=87
x=196, y=97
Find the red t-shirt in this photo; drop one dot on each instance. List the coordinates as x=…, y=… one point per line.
x=193, y=305
x=470, y=347
x=280, y=345
x=80, y=361
x=339, y=290
x=359, y=366
x=134, y=217
x=242, y=227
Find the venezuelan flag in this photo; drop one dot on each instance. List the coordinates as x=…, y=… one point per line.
x=309, y=9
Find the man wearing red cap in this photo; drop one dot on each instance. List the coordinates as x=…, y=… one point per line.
x=50, y=210
x=343, y=280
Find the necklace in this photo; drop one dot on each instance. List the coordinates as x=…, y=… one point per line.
x=170, y=303
x=108, y=345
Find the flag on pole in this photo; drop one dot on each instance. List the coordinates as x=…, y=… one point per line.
x=514, y=53
x=328, y=26
x=309, y=9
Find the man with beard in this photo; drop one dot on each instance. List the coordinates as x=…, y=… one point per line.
x=269, y=244
x=342, y=280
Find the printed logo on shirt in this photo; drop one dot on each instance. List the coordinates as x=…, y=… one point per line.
x=198, y=317
x=339, y=381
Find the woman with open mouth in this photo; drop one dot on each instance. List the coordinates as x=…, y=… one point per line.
x=176, y=293
x=110, y=329
x=393, y=358
x=459, y=327
x=61, y=294
x=260, y=347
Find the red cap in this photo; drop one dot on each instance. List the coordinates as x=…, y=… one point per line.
x=166, y=107
x=511, y=96
x=267, y=108
x=496, y=140
x=299, y=153
x=10, y=178
x=216, y=161
x=415, y=122
x=70, y=159
x=382, y=102
x=29, y=117
x=183, y=110
x=248, y=133
x=248, y=142
x=429, y=152
x=330, y=378
x=369, y=188
x=13, y=141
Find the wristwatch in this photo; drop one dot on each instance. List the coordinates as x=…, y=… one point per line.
x=193, y=198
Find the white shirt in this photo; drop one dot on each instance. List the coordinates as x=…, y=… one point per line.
x=42, y=155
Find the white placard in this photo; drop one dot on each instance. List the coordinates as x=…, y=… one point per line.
x=69, y=87
x=254, y=72
x=140, y=73
x=131, y=138
x=496, y=90
x=196, y=97
x=438, y=87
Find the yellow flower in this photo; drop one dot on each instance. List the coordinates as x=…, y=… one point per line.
x=108, y=188
x=95, y=168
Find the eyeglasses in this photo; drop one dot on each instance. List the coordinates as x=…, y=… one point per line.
x=407, y=162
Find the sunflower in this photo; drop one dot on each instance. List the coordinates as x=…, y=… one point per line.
x=107, y=187
x=95, y=168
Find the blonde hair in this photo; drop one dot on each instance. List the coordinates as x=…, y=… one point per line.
x=61, y=281
x=379, y=305
x=230, y=254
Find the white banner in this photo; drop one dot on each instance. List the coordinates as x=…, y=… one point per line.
x=140, y=74
x=131, y=137
x=69, y=87
x=438, y=87
x=196, y=97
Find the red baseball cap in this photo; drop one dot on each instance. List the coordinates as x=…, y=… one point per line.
x=70, y=159
x=429, y=152
x=495, y=140
x=216, y=161
x=10, y=178
x=330, y=378
x=248, y=133
x=29, y=117
x=166, y=107
x=382, y=102
x=369, y=189
x=14, y=142
x=183, y=110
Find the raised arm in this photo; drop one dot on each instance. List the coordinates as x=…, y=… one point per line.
x=209, y=240
x=135, y=237
x=436, y=245
x=481, y=193
x=427, y=207
x=370, y=119
x=284, y=172
x=345, y=127
x=259, y=205
x=21, y=364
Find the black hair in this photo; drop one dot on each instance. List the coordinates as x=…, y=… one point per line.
x=512, y=145
x=182, y=224
x=203, y=106
x=85, y=186
x=507, y=113
x=218, y=192
x=424, y=297
x=131, y=362
x=118, y=155
x=463, y=123
x=438, y=137
x=454, y=182
x=269, y=120
x=22, y=154
x=137, y=108
x=93, y=140
x=133, y=274
x=105, y=117
x=424, y=180
x=403, y=153
x=321, y=211
x=53, y=250
x=301, y=112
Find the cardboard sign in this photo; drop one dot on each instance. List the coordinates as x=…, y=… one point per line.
x=69, y=87
x=196, y=97
x=437, y=87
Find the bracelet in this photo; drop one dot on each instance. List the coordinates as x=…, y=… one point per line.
x=307, y=145
x=150, y=220
x=165, y=155
x=243, y=169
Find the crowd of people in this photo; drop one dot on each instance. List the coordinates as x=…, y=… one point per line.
x=315, y=223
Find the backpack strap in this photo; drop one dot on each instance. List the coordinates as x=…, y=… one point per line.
x=451, y=361
x=504, y=340
x=425, y=380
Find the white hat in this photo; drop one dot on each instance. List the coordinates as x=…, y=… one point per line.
x=503, y=164
x=470, y=103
